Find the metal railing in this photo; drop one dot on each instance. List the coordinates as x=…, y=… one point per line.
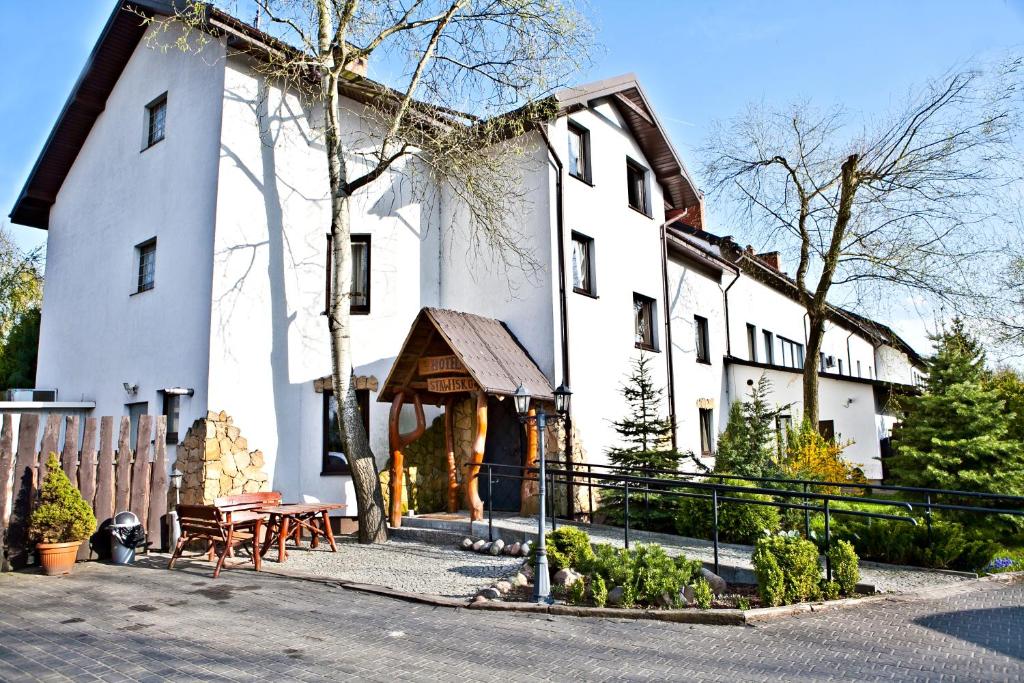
x=700, y=486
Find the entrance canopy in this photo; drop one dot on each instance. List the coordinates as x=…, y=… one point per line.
x=449, y=352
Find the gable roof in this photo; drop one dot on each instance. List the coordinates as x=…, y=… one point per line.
x=626, y=94
x=723, y=248
x=485, y=347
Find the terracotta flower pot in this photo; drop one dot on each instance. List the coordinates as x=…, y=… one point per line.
x=57, y=558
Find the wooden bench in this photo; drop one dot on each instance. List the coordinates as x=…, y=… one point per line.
x=209, y=523
x=241, y=509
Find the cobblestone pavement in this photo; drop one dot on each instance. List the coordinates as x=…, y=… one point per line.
x=400, y=564
x=147, y=623
x=884, y=577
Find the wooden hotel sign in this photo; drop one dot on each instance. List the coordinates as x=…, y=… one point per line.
x=450, y=385
x=440, y=365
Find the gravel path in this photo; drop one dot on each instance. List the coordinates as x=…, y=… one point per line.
x=400, y=564
x=884, y=577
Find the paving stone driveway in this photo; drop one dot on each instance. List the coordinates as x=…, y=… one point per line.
x=146, y=623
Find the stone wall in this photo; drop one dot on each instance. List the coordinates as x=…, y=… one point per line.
x=215, y=460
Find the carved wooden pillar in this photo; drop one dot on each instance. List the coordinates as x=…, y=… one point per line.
x=529, y=486
x=473, y=502
x=449, y=448
x=398, y=442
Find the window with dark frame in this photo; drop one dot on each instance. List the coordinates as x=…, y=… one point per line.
x=840, y=366
x=135, y=411
x=791, y=354
x=706, y=431
x=156, y=120
x=172, y=410
x=783, y=424
x=858, y=369
x=700, y=331
x=643, y=322
x=827, y=429
x=583, y=265
x=769, y=348
x=636, y=185
x=359, y=304
x=579, y=152
x=146, y=257
x=752, y=341
x=334, y=460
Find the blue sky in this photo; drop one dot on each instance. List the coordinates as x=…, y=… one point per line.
x=699, y=62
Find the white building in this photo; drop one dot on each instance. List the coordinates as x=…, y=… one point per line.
x=186, y=208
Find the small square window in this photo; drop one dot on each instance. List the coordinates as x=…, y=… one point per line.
x=636, y=185
x=334, y=459
x=643, y=322
x=146, y=257
x=156, y=120
x=707, y=432
x=583, y=265
x=700, y=330
x=579, y=152
x=359, y=304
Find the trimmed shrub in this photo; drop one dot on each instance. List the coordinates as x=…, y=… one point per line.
x=598, y=591
x=577, y=593
x=63, y=515
x=830, y=590
x=568, y=547
x=845, y=570
x=645, y=572
x=702, y=593
x=737, y=522
x=791, y=559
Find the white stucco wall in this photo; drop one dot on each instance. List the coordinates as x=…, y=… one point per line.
x=269, y=339
x=627, y=259
x=895, y=366
x=96, y=333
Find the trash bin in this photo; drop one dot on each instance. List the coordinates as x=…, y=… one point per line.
x=126, y=534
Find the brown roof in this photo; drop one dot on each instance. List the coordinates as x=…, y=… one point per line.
x=491, y=354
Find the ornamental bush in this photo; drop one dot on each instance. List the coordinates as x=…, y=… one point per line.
x=645, y=572
x=63, y=515
x=703, y=595
x=598, y=591
x=787, y=569
x=568, y=547
x=845, y=569
x=737, y=522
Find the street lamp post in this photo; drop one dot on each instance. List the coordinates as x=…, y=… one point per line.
x=541, y=580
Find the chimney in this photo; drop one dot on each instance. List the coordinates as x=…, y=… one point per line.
x=357, y=67
x=771, y=259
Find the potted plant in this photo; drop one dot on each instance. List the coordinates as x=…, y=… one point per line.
x=61, y=522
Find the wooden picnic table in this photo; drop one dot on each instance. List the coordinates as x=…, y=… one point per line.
x=289, y=519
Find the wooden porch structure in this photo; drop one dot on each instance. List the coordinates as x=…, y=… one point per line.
x=449, y=356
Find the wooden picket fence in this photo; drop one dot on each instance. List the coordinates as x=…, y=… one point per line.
x=110, y=479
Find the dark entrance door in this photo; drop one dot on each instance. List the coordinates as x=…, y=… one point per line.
x=504, y=447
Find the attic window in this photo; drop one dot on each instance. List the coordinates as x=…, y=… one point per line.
x=636, y=186
x=156, y=119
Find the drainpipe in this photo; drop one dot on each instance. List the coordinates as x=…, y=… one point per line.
x=728, y=332
x=563, y=306
x=670, y=351
x=849, y=358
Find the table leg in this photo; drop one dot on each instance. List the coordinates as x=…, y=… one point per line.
x=256, y=543
x=282, y=553
x=314, y=532
x=328, y=533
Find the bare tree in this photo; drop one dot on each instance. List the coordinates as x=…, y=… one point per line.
x=910, y=202
x=462, y=63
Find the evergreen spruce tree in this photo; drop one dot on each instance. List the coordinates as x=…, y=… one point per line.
x=747, y=446
x=647, y=447
x=956, y=434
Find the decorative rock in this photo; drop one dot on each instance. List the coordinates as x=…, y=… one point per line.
x=718, y=584
x=479, y=598
x=527, y=571
x=496, y=547
x=520, y=579
x=486, y=547
x=524, y=549
x=615, y=596
x=686, y=596
x=477, y=545
x=565, y=578
x=489, y=593
x=467, y=544
x=666, y=600
x=513, y=549
x=503, y=587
